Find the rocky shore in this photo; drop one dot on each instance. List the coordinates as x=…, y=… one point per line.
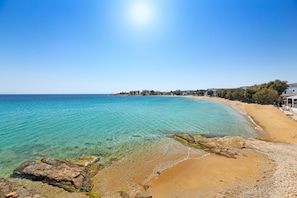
x=272, y=172
x=69, y=176
x=225, y=146
x=72, y=177
x=77, y=177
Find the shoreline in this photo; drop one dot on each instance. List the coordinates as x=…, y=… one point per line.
x=234, y=177
x=263, y=169
x=258, y=129
x=268, y=117
x=259, y=172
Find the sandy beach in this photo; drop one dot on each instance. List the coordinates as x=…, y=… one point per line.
x=277, y=125
x=266, y=169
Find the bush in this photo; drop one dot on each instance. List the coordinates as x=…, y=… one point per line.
x=266, y=96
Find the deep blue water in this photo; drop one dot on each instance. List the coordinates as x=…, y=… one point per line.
x=68, y=126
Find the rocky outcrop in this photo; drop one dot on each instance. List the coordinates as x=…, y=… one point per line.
x=228, y=146
x=187, y=137
x=10, y=189
x=71, y=177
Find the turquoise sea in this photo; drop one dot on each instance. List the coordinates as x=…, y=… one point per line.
x=69, y=126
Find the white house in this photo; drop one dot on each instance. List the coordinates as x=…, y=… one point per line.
x=292, y=103
x=290, y=97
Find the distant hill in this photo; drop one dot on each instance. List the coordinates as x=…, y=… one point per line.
x=293, y=85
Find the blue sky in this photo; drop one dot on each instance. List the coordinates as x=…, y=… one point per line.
x=108, y=46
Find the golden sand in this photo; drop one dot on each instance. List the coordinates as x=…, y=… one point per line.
x=216, y=176
x=277, y=125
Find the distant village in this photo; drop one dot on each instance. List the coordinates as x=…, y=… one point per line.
x=286, y=98
x=162, y=93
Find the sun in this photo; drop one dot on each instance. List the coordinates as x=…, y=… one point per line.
x=141, y=13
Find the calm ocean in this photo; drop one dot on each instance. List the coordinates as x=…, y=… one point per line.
x=69, y=126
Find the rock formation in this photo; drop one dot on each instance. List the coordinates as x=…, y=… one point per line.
x=227, y=146
x=71, y=177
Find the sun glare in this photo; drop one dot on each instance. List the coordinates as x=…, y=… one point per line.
x=141, y=13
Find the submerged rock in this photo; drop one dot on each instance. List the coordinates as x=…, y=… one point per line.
x=187, y=137
x=87, y=160
x=10, y=189
x=64, y=174
x=91, y=163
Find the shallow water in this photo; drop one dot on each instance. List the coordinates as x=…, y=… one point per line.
x=69, y=126
x=138, y=169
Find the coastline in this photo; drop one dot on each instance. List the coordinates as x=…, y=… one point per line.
x=261, y=173
x=258, y=173
x=275, y=124
x=187, y=172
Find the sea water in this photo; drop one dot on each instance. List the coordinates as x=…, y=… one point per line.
x=70, y=126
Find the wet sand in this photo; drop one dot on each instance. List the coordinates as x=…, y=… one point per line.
x=209, y=177
x=132, y=174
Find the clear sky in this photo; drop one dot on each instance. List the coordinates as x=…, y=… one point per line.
x=108, y=46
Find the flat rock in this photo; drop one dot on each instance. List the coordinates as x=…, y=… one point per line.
x=227, y=146
x=10, y=189
x=64, y=174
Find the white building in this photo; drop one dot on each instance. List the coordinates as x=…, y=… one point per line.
x=290, y=98
x=292, y=103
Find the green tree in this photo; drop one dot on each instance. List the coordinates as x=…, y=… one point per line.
x=238, y=94
x=221, y=93
x=266, y=96
x=201, y=92
x=248, y=94
x=278, y=85
x=210, y=92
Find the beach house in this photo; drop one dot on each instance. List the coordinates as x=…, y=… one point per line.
x=290, y=98
x=292, y=103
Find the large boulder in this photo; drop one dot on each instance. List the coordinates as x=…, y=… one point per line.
x=10, y=189
x=64, y=174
